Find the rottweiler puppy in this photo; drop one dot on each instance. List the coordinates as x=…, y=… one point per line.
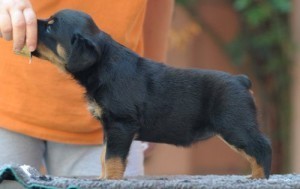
x=138, y=99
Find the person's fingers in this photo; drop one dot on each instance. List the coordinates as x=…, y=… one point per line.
x=5, y=25
x=19, y=29
x=31, y=28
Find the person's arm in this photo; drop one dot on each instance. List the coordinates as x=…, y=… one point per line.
x=18, y=23
x=156, y=28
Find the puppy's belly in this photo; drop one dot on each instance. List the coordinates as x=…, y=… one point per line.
x=176, y=137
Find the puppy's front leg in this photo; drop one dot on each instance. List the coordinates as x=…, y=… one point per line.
x=118, y=140
x=103, y=176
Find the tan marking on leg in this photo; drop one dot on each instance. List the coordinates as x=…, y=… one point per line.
x=232, y=147
x=103, y=173
x=257, y=170
x=114, y=168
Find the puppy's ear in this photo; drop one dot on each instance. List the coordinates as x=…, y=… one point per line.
x=83, y=54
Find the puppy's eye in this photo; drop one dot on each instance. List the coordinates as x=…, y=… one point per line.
x=49, y=28
x=49, y=25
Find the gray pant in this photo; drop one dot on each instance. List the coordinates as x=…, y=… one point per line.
x=62, y=159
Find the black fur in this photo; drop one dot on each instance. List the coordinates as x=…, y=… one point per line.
x=152, y=101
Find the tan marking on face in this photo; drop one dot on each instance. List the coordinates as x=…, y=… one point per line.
x=47, y=54
x=114, y=168
x=257, y=170
x=95, y=109
x=61, y=52
x=50, y=22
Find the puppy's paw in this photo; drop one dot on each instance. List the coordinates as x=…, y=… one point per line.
x=256, y=177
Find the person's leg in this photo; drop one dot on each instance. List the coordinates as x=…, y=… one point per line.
x=19, y=149
x=135, y=165
x=83, y=160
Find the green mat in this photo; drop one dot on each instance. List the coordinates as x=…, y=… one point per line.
x=28, y=177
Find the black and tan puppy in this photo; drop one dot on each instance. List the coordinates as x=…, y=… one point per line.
x=139, y=99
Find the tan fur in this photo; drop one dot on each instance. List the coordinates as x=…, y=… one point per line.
x=136, y=135
x=50, y=22
x=95, y=109
x=103, y=154
x=52, y=57
x=61, y=51
x=114, y=168
x=257, y=170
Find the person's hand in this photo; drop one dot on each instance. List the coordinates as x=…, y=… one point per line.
x=18, y=23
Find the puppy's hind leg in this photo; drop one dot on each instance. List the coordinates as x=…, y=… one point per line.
x=251, y=143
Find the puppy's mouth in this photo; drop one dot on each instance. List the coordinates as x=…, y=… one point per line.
x=43, y=52
x=36, y=53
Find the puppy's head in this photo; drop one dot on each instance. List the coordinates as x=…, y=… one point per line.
x=69, y=39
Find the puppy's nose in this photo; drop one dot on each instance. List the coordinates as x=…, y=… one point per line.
x=42, y=22
x=42, y=25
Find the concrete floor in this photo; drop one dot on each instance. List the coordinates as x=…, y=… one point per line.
x=30, y=178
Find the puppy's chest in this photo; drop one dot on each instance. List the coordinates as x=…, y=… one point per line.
x=94, y=108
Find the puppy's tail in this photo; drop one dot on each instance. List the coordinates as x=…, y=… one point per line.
x=244, y=80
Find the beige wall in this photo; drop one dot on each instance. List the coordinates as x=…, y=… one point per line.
x=212, y=156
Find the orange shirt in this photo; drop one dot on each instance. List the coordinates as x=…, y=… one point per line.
x=39, y=100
